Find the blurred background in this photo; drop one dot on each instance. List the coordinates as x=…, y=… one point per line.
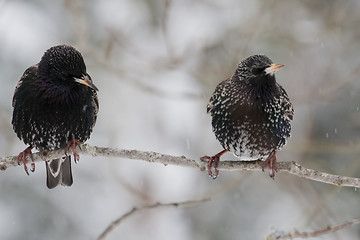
x=156, y=63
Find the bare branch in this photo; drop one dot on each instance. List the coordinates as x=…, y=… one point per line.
x=296, y=234
x=289, y=167
x=118, y=221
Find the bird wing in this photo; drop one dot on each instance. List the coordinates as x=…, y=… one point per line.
x=215, y=98
x=286, y=104
x=95, y=105
x=29, y=75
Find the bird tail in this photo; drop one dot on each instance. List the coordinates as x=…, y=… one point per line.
x=58, y=171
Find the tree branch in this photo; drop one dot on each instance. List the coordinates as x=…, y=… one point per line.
x=296, y=234
x=289, y=167
x=118, y=221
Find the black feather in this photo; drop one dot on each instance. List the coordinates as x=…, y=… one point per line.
x=250, y=111
x=51, y=108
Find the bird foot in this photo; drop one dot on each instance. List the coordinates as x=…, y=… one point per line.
x=22, y=158
x=213, y=161
x=73, y=143
x=271, y=160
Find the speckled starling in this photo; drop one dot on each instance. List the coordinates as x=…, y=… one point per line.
x=55, y=106
x=251, y=114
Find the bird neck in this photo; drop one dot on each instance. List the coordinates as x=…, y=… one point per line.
x=56, y=92
x=263, y=88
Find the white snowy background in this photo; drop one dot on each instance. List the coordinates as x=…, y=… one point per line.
x=156, y=63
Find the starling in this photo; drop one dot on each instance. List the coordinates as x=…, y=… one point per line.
x=55, y=106
x=251, y=114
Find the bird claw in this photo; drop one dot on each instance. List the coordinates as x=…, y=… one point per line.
x=32, y=169
x=73, y=143
x=271, y=160
x=213, y=161
x=22, y=158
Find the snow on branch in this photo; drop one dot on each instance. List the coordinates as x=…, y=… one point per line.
x=289, y=167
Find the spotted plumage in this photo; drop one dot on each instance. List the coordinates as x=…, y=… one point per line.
x=55, y=106
x=251, y=113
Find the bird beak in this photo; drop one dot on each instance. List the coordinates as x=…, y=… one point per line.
x=85, y=80
x=273, y=68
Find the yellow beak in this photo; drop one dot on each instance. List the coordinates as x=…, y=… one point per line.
x=85, y=80
x=273, y=68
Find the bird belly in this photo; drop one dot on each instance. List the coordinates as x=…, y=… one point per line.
x=53, y=129
x=248, y=147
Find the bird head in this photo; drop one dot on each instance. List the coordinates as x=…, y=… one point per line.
x=257, y=67
x=64, y=66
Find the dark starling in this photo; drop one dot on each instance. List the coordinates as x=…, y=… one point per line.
x=55, y=106
x=251, y=114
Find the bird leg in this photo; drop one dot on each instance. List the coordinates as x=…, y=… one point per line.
x=22, y=157
x=271, y=160
x=73, y=143
x=213, y=161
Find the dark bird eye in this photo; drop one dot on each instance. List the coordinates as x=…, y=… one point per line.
x=256, y=70
x=66, y=75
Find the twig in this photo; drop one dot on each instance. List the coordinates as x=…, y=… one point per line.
x=289, y=167
x=296, y=234
x=138, y=209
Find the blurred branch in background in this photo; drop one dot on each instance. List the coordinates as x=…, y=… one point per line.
x=276, y=235
x=289, y=167
x=118, y=221
x=296, y=234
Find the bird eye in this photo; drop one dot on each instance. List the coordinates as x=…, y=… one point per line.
x=66, y=75
x=257, y=70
